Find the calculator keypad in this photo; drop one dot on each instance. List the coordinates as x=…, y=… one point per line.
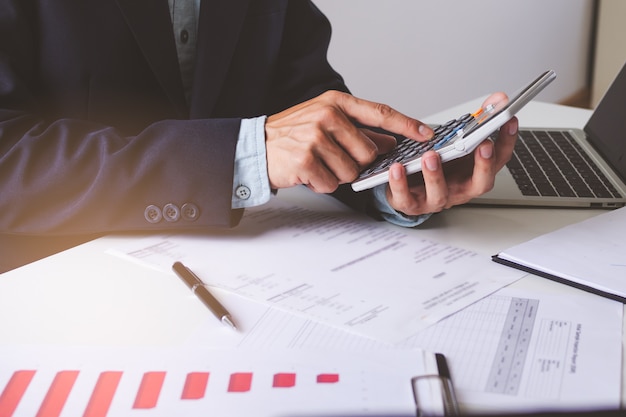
x=409, y=149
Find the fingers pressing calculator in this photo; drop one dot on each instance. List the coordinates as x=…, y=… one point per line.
x=453, y=139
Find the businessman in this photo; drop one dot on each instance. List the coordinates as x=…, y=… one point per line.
x=142, y=115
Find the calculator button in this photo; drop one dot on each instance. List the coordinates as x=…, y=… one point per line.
x=456, y=124
x=445, y=132
x=410, y=153
x=466, y=117
x=445, y=140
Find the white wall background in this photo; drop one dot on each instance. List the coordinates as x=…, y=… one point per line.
x=424, y=56
x=611, y=47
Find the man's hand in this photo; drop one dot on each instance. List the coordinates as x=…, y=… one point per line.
x=439, y=187
x=316, y=143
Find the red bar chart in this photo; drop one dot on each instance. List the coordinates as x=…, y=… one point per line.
x=88, y=381
x=147, y=393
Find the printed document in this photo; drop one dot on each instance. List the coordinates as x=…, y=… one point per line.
x=519, y=349
x=348, y=271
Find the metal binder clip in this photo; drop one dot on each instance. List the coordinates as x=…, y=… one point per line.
x=434, y=394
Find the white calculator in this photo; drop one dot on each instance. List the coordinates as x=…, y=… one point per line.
x=454, y=139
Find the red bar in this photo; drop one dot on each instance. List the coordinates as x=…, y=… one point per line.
x=327, y=378
x=149, y=390
x=102, y=394
x=240, y=382
x=284, y=380
x=195, y=385
x=58, y=392
x=13, y=392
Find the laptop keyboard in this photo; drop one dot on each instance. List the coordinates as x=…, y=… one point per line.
x=551, y=163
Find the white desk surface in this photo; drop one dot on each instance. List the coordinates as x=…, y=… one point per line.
x=87, y=297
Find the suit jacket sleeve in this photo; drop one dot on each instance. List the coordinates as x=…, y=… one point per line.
x=94, y=128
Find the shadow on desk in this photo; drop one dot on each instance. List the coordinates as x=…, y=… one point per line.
x=16, y=251
x=589, y=413
x=600, y=413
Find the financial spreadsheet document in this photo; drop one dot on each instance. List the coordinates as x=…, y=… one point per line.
x=364, y=276
x=517, y=349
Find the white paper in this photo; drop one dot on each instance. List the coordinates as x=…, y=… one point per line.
x=545, y=362
x=560, y=347
x=592, y=253
x=275, y=382
x=346, y=271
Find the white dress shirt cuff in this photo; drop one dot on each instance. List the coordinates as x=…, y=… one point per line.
x=251, y=185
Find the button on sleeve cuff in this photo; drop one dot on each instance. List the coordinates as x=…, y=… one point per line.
x=251, y=185
x=172, y=213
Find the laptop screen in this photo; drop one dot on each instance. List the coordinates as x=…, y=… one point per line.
x=606, y=129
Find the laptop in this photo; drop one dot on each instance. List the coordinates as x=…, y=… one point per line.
x=565, y=167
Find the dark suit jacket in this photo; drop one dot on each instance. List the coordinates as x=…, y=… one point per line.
x=94, y=125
